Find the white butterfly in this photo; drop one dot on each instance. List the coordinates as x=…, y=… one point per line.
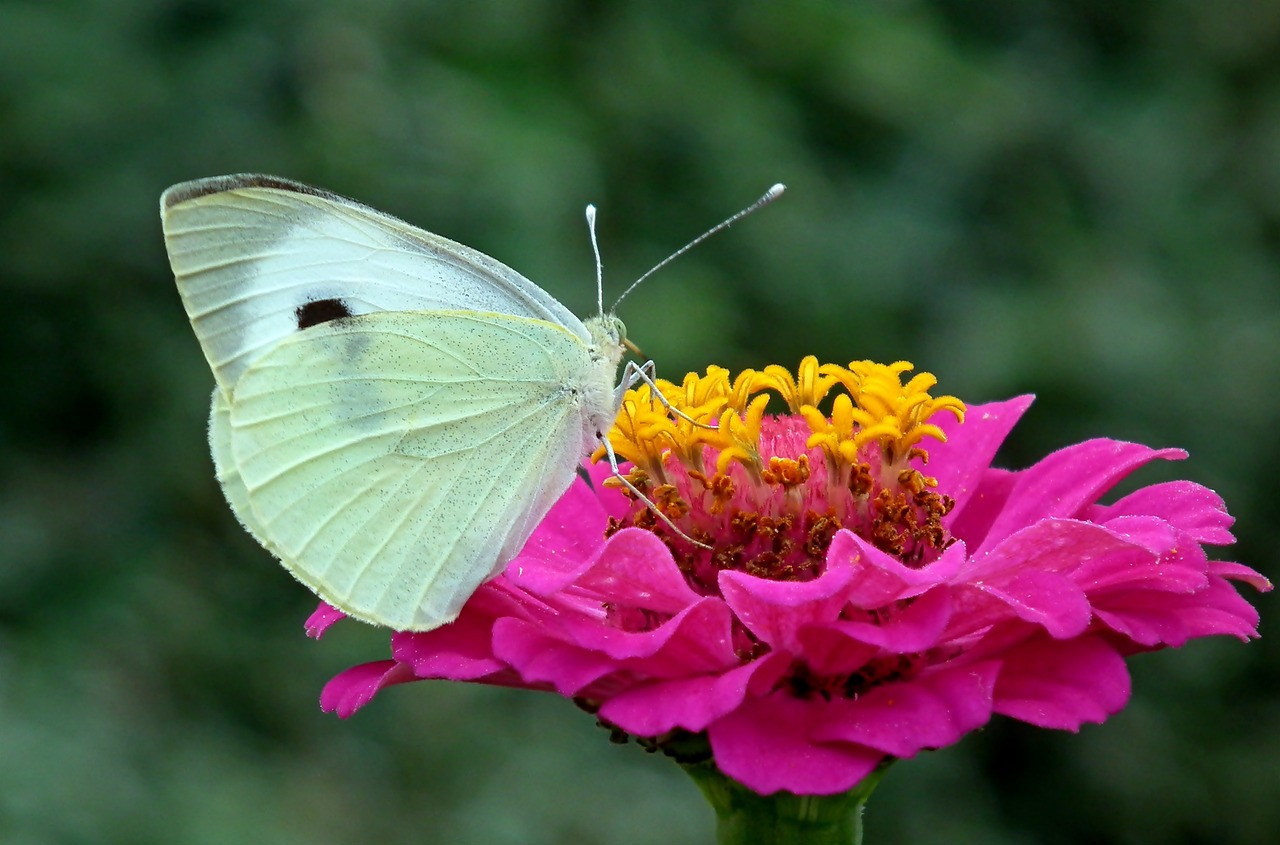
x=394, y=412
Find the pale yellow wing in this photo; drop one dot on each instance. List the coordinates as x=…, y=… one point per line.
x=224, y=467
x=396, y=460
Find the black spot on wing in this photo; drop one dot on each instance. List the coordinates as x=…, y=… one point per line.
x=320, y=311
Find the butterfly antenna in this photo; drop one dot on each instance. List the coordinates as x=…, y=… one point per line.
x=769, y=196
x=595, y=248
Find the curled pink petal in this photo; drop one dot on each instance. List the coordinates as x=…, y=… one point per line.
x=1239, y=572
x=352, y=689
x=324, y=616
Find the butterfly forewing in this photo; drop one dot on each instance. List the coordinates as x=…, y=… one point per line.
x=249, y=252
x=394, y=461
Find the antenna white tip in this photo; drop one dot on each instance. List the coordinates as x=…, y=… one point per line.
x=595, y=249
x=768, y=197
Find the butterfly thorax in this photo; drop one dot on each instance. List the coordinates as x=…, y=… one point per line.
x=600, y=398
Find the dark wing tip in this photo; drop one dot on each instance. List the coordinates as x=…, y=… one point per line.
x=196, y=188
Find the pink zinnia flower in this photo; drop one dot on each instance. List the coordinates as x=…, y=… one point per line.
x=811, y=604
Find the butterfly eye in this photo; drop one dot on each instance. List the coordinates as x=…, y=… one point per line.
x=619, y=330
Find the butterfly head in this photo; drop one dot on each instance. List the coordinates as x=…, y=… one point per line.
x=608, y=337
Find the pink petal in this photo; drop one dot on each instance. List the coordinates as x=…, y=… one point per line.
x=932, y=710
x=1162, y=560
x=697, y=639
x=765, y=746
x=691, y=703
x=775, y=611
x=543, y=659
x=635, y=569
x=580, y=651
x=829, y=650
x=1188, y=506
x=1037, y=573
x=319, y=621
x=463, y=649
x=1062, y=683
x=880, y=579
x=1151, y=619
x=1069, y=480
x=972, y=521
x=1240, y=572
x=1151, y=533
x=961, y=462
x=572, y=529
x=612, y=500
x=459, y=651
x=1047, y=599
x=353, y=688
x=1050, y=545
x=913, y=627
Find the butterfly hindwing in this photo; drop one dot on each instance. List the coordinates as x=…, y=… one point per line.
x=391, y=460
x=225, y=470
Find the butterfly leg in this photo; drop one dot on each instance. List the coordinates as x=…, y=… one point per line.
x=635, y=491
x=633, y=374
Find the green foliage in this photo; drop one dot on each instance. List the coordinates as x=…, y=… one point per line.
x=1076, y=199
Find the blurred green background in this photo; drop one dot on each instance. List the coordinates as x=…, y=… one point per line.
x=1080, y=200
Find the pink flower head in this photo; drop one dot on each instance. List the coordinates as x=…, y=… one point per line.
x=800, y=594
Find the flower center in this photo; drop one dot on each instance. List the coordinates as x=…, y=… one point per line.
x=765, y=495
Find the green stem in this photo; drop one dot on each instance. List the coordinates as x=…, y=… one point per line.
x=746, y=818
